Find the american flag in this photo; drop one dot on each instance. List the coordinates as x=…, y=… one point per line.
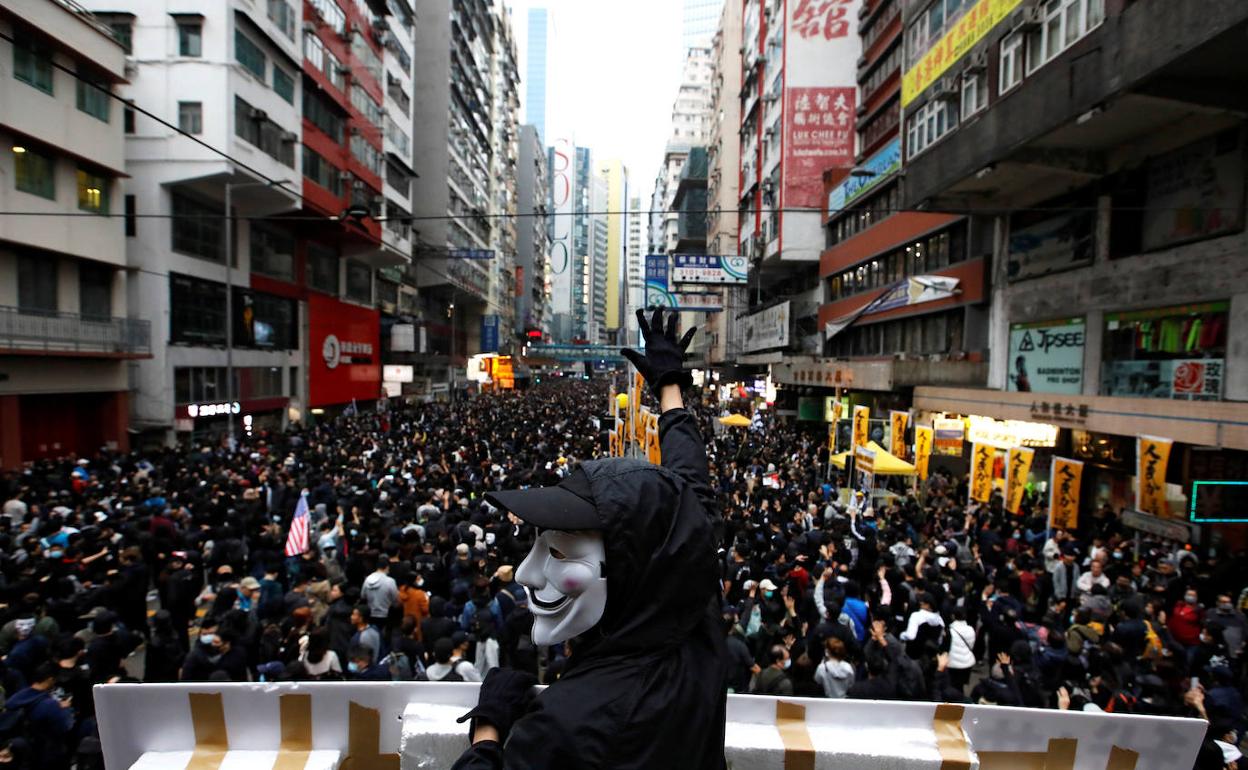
x=297, y=540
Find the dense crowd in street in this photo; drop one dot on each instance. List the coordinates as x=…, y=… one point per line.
x=172, y=565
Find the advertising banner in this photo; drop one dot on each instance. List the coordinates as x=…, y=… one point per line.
x=397, y=373
x=898, y=422
x=343, y=358
x=862, y=427
x=819, y=134
x=864, y=463
x=948, y=437
x=1058, y=243
x=562, y=187
x=1047, y=357
x=1186, y=379
x=489, y=334
x=957, y=41
x=656, y=281
x=1152, y=454
x=767, y=328
x=876, y=169
x=1196, y=192
x=923, y=440
x=833, y=409
x=1064, y=480
x=1017, y=469
x=708, y=268
x=982, y=456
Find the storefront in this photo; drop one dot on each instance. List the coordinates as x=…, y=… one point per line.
x=209, y=421
x=344, y=363
x=1173, y=352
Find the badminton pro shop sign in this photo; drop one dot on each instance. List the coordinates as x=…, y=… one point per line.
x=1047, y=357
x=344, y=352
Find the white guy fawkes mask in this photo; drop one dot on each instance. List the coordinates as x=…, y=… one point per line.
x=567, y=592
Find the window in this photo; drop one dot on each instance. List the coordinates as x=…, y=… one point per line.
x=92, y=192
x=36, y=283
x=359, y=282
x=263, y=320
x=283, y=84
x=931, y=122
x=324, y=114
x=974, y=93
x=321, y=171
x=93, y=96
x=368, y=155
x=198, y=229
x=925, y=255
x=272, y=252
x=322, y=59
x=131, y=217
x=253, y=125
x=190, y=38
x=127, y=120
x=322, y=269
x=191, y=117
x=32, y=64
x=248, y=54
x=364, y=54
x=363, y=101
x=35, y=172
x=1065, y=23
x=283, y=17
x=196, y=311
x=122, y=34
x=1174, y=352
x=95, y=290
x=1011, y=73
x=293, y=382
x=331, y=13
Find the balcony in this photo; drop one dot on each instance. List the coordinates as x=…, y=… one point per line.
x=29, y=332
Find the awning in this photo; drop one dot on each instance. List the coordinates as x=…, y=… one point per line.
x=908, y=291
x=886, y=464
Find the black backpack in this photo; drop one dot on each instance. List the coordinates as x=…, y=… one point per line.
x=453, y=675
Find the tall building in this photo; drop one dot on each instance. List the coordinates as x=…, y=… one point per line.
x=503, y=179
x=68, y=328
x=637, y=249
x=535, y=65
x=562, y=162
x=615, y=213
x=799, y=96
x=698, y=22
x=533, y=188
x=582, y=265
x=691, y=111
x=723, y=178
x=598, y=260
x=396, y=293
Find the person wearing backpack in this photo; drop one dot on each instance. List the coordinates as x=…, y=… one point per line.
x=47, y=722
x=449, y=666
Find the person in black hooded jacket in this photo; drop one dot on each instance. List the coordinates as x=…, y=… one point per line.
x=645, y=686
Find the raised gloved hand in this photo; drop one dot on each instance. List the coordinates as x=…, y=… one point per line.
x=664, y=360
x=505, y=696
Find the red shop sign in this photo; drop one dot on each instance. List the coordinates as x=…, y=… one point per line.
x=344, y=352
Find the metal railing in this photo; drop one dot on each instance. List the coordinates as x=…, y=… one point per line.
x=51, y=331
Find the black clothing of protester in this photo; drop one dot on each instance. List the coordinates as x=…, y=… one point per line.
x=646, y=687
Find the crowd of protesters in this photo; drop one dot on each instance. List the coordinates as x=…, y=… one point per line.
x=171, y=566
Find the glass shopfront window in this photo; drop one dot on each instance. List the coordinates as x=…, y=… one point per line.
x=1174, y=352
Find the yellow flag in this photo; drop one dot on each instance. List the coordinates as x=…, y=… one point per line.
x=1064, y=493
x=653, y=453
x=982, y=456
x=838, y=411
x=640, y=424
x=922, y=449
x=832, y=438
x=899, y=420
x=1152, y=455
x=1017, y=468
x=862, y=427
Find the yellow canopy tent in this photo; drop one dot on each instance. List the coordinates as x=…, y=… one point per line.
x=735, y=421
x=886, y=464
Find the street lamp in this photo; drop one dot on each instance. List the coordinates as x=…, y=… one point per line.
x=229, y=293
x=450, y=312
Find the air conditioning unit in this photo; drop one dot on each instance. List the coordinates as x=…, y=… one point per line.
x=978, y=61
x=383, y=37
x=290, y=137
x=357, y=185
x=345, y=176
x=380, y=26
x=1030, y=16
x=947, y=88
x=347, y=29
x=379, y=201
x=342, y=69
x=309, y=28
x=258, y=114
x=355, y=130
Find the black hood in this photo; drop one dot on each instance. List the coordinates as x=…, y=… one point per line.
x=660, y=565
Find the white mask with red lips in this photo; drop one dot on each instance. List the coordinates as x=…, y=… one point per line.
x=567, y=590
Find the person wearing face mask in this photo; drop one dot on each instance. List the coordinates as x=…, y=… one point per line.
x=215, y=654
x=625, y=568
x=1230, y=623
x=774, y=680
x=1186, y=619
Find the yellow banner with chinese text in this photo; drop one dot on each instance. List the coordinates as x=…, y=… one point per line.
x=898, y=421
x=982, y=456
x=1017, y=468
x=862, y=427
x=957, y=41
x=923, y=438
x=1153, y=455
x=1064, y=483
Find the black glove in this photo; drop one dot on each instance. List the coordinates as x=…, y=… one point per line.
x=664, y=360
x=505, y=696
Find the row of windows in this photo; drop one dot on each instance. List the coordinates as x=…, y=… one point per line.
x=282, y=14
x=929, y=124
x=363, y=102
x=32, y=64
x=323, y=113
x=321, y=171
x=321, y=58
x=207, y=384
x=932, y=252
x=886, y=68
x=198, y=315
x=874, y=209
x=331, y=13
x=253, y=126
x=254, y=60
x=882, y=124
x=38, y=280
x=368, y=155
x=35, y=173
x=926, y=335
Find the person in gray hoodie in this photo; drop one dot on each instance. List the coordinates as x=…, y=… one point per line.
x=381, y=592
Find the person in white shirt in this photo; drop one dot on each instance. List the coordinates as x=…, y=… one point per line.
x=1095, y=576
x=961, y=650
x=923, y=616
x=834, y=674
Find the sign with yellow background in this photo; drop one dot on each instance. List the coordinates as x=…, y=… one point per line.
x=862, y=426
x=898, y=421
x=982, y=456
x=957, y=41
x=922, y=449
x=1152, y=454
x=1064, y=482
x=1017, y=468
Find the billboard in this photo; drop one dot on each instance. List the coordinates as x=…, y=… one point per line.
x=710, y=268
x=656, y=281
x=1196, y=191
x=1047, y=357
x=489, y=334
x=343, y=352
x=876, y=169
x=1058, y=243
x=767, y=328
x=562, y=187
x=821, y=49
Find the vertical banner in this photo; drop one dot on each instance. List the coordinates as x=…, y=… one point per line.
x=634, y=409
x=982, y=456
x=832, y=439
x=613, y=406
x=653, y=453
x=1017, y=468
x=562, y=197
x=864, y=463
x=923, y=439
x=1064, y=493
x=898, y=421
x=862, y=427
x=838, y=410
x=1152, y=454
x=640, y=425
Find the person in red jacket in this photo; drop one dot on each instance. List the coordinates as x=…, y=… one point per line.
x=1186, y=619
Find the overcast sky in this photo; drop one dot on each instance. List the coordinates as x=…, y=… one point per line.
x=614, y=67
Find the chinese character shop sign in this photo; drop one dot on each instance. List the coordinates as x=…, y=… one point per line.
x=1064, y=493
x=1153, y=454
x=819, y=135
x=343, y=364
x=828, y=19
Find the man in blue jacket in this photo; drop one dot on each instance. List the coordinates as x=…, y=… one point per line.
x=49, y=721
